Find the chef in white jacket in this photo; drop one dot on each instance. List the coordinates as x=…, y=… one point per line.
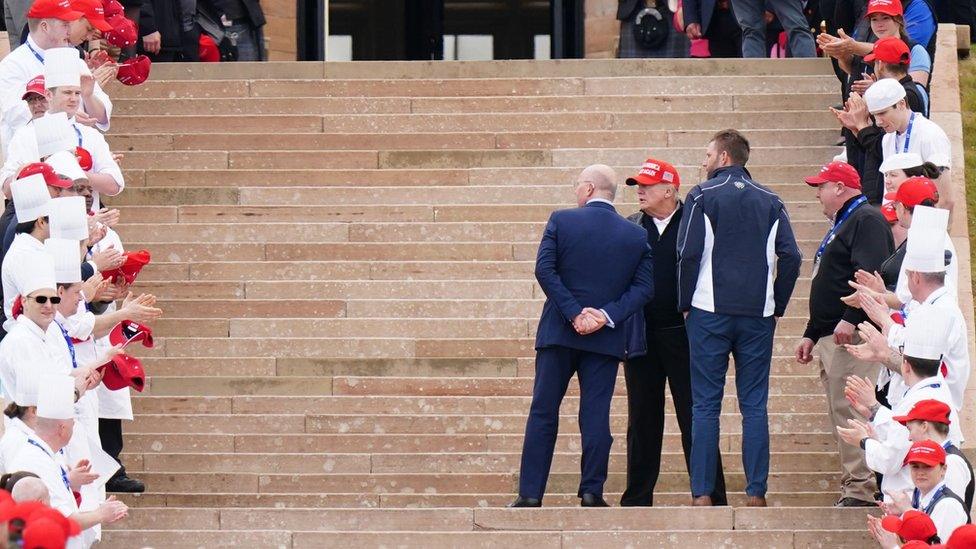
x=31, y=202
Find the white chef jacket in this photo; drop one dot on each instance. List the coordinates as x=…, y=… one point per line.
x=887, y=454
x=111, y=404
x=951, y=280
x=948, y=513
x=956, y=356
x=23, y=252
x=24, y=351
x=14, y=438
x=16, y=70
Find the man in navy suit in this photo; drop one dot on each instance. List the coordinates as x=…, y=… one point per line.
x=595, y=268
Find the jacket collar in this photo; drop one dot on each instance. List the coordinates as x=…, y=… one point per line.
x=32, y=327
x=599, y=203
x=733, y=171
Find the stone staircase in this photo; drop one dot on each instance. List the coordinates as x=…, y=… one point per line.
x=344, y=253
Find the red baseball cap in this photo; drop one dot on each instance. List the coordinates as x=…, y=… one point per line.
x=914, y=190
x=839, y=172
x=112, y=8
x=209, y=53
x=653, y=172
x=927, y=452
x=964, y=537
x=94, y=12
x=887, y=7
x=913, y=525
x=134, y=70
x=132, y=264
x=123, y=32
x=53, y=9
x=70, y=527
x=22, y=510
x=51, y=179
x=36, y=85
x=890, y=49
x=926, y=410
x=123, y=371
x=127, y=331
x=889, y=212
x=84, y=157
x=43, y=534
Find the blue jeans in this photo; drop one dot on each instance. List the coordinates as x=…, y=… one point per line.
x=247, y=41
x=750, y=341
x=751, y=17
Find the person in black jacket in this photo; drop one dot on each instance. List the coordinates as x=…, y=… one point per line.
x=161, y=29
x=668, y=362
x=243, y=21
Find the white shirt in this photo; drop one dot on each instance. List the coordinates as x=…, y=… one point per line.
x=957, y=475
x=956, y=355
x=27, y=350
x=24, y=250
x=948, y=513
x=16, y=70
x=926, y=138
x=111, y=404
x=951, y=279
x=47, y=465
x=14, y=438
x=662, y=224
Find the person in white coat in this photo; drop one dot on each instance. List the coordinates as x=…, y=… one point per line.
x=49, y=24
x=31, y=201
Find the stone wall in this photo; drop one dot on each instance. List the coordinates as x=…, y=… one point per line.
x=280, y=32
x=601, y=28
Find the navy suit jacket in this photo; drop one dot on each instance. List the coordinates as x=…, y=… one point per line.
x=698, y=11
x=592, y=257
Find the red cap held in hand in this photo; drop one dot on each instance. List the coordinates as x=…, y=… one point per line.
x=134, y=70
x=209, y=53
x=127, y=331
x=112, y=8
x=123, y=371
x=132, y=264
x=123, y=33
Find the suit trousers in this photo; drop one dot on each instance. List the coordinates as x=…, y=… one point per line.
x=110, y=433
x=836, y=364
x=712, y=338
x=597, y=374
x=666, y=363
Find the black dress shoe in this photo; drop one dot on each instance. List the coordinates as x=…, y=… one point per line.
x=123, y=483
x=854, y=502
x=526, y=502
x=590, y=500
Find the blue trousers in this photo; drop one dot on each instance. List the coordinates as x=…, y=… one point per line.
x=712, y=337
x=554, y=367
x=751, y=17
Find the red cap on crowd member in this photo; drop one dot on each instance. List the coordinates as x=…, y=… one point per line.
x=132, y=264
x=916, y=544
x=123, y=33
x=17, y=308
x=134, y=70
x=209, y=53
x=123, y=371
x=891, y=50
x=112, y=8
x=887, y=7
x=43, y=534
x=963, y=537
x=914, y=190
x=932, y=410
x=836, y=172
x=653, y=172
x=127, y=331
x=22, y=510
x=94, y=13
x=85, y=161
x=70, y=527
x=51, y=179
x=927, y=452
x=890, y=213
x=53, y=9
x=910, y=526
x=36, y=85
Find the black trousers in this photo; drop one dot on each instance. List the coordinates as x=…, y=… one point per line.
x=110, y=431
x=666, y=362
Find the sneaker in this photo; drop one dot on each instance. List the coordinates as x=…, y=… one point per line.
x=854, y=502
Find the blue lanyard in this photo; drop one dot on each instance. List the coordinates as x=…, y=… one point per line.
x=840, y=221
x=77, y=132
x=64, y=475
x=37, y=55
x=916, y=500
x=71, y=345
x=908, y=135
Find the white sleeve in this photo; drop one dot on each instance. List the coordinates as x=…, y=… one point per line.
x=948, y=515
x=107, y=103
x=936, y=149
x=80, y=325
x=61, y=498
x=21, y=150
x=887, y=457
x=957, y=474
x=896, y=336
x=102, y=161
x=14, y=112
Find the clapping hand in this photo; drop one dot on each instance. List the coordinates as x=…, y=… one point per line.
x=589, y=321
x=81, y=474
x=874, y=347
x=860, y=394
x=856, y=431
x=900, y=502
x=874, y=306
x=885, y=538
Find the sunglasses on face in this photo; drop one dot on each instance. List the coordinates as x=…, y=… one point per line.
x=43, y=299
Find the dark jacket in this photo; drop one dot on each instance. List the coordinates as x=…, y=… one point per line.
x=164, y=17
x=626, y=8
x=591, y=257
x=662, y=311
x=734, y=235
x=216, y=8
x=698, y=11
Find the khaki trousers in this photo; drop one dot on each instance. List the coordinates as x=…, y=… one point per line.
x=836, y=364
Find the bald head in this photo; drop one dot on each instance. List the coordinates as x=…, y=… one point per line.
x=31, y=489
x=596, y=181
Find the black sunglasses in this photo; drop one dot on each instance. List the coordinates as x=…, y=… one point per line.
x=42, y=299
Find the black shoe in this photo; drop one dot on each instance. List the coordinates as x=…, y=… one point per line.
x=526, y=502
x=590, y=500
x=854, y=502
x=125, y=484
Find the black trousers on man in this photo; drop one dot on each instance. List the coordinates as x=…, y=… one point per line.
x=667, y=362
x=110, y=433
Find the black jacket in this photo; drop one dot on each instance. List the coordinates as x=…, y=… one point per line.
x=662, y=311
x=216, y=8
x=162, y=16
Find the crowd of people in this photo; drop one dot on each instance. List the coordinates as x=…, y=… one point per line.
x=682, y=285
x=69, y=316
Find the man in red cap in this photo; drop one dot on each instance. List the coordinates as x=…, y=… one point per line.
x=660, y=214
x=930, y=495
x=36, y=96
x=858, y=239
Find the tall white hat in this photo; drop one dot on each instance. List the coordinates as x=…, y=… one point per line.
x=65, y=164
x=67, y=259
x=31, y=198
x=69, y=218
x=927, y=333
x=54, y=133
x=28, y=383
x=925, y=251
x=883, y=94
x=900, y=161
x=37, y=273
x=56, y=397
x=61, y=68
